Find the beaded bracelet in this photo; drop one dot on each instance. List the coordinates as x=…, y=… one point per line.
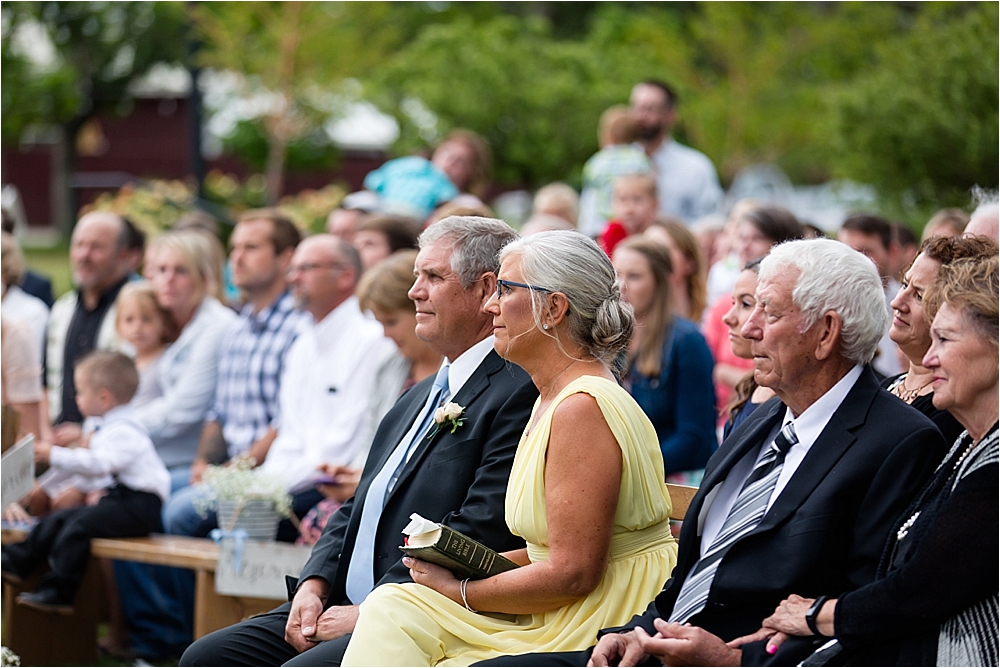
x=461, y=588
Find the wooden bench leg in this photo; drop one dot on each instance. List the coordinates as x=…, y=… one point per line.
x=213, y=611
x=53, y=639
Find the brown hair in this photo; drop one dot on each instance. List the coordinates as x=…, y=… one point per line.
x=142, y=292
x=384, y=287
x=649, y=357
x=697, y=281
x=401, y=233
x=482, y=159
x=284, y=233
x=110, y=371
x=617, y=125
x=948, y=249
x=972, y=286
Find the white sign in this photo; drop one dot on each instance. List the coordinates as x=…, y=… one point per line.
x=18, y=470
x=262, y=568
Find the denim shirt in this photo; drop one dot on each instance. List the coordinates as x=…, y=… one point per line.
x=680, y=402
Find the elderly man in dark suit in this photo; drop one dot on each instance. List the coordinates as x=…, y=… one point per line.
x=456, y=476
x=801, y=496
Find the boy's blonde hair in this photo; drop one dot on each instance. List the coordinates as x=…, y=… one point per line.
x=644, y=181
x=111, y=371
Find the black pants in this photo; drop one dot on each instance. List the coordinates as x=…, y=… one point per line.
x=62, y=538
x=260, y=641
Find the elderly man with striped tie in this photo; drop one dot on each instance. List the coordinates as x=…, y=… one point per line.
x=801, y=497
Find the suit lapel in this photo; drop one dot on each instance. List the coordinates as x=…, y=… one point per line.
x=419, y=398
x=477, y=383
x=835, y=439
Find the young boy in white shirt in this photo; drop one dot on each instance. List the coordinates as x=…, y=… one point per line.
x=120, y=466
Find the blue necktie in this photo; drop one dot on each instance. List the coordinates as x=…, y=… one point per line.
x=360, y=571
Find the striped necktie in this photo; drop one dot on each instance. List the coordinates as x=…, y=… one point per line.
x=747, y=512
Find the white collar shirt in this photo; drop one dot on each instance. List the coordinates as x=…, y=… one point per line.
x=326, y=388
x=808, y=427
x=119, y=447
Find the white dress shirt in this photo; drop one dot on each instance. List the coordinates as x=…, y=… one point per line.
x=686, y=182
x=808, y=428
x=119, y=447
x=326, y=388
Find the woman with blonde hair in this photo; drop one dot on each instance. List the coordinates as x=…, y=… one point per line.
x=585, y=490
x=185, y=274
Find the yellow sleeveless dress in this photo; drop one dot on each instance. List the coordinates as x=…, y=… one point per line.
x=412, y=625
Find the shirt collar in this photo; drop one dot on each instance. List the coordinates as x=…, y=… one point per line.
x=465, y=364
x=107, y=297
x=122, y=412
x=258, y=321
x=813, y=420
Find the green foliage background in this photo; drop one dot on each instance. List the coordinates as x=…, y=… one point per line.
x=903, y=96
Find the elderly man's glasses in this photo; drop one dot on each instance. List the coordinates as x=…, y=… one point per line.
x=309, y=266
x=501, y=284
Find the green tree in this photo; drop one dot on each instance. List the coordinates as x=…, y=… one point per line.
x=100, y=49
x=922, y=123
x=299, y=54
x=534, y=98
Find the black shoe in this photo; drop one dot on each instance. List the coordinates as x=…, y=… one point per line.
x=10, y=574
x=46, y=600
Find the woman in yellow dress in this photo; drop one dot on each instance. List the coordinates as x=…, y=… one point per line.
x=586, y=490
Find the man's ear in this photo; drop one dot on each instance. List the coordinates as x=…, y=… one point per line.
x=488, y=284
x=284, y=259
x=829, y=340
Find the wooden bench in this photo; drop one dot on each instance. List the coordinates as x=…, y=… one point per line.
x=680, y=499
x=212, y=611
x=52, y=639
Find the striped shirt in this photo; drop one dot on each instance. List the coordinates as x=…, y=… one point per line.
x=251, y=360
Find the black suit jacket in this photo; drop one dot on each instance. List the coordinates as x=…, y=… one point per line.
x=459, y=479
x=825, y=532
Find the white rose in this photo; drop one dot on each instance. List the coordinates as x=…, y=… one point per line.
x=440, y=416
x=452, y=411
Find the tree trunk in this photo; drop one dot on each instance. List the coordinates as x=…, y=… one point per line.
x=274, y=170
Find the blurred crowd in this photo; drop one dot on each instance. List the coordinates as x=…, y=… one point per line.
x=295, y=353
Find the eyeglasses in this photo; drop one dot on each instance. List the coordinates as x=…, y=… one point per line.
x=309, y=266
x=511, y=284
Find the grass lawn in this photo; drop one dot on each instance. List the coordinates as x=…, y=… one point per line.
x=54, y=263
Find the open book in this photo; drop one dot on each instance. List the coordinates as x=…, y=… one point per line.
x=442, y=545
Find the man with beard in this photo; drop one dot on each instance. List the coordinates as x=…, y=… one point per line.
x=687, y=184
x=83, y=320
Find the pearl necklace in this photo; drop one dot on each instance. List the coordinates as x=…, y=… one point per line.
x=908, y=524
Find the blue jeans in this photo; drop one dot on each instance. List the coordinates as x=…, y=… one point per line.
x=180, y=516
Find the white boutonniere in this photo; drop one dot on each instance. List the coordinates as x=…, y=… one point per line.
x=449, y=415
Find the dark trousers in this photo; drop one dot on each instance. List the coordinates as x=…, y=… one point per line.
x=260, y=641
x=62, y=538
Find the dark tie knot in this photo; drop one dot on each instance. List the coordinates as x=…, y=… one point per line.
x=786, y=438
